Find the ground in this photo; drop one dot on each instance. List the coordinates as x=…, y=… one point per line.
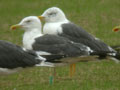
x=96, y=16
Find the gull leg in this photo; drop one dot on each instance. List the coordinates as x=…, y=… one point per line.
x=51, y=77
x=74, y=69
x=70, y=73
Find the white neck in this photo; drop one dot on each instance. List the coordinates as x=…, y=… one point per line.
x=65, y=20
x=54, y=28
x=29, y=36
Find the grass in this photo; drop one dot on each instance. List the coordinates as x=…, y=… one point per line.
x=96, y=16
x=89, y=76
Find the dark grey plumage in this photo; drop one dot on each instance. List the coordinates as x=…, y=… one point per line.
x=13, y=56
x=79, y=35
x=59, y=45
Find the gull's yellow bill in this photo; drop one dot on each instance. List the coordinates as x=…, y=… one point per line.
x=13, y=27
x=41, y=18
x=116, y=29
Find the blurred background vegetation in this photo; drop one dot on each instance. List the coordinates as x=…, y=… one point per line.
x=96, y=16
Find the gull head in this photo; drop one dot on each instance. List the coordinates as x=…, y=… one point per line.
x=28, y=23
x=53, y=14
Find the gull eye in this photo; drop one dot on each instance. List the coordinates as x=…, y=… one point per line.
x=28, y=21
x=53, y=13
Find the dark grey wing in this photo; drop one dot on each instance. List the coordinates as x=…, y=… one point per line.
x=12, y=56
x=79, y=35
x=59, y=45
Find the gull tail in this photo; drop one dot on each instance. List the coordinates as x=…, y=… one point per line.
x=117, y=55
x=104, y=54
x=45, y=64
x=101, y=54
x=117, y=48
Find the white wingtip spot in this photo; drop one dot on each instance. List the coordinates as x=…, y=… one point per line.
x=40, y=58
x=89, y=49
